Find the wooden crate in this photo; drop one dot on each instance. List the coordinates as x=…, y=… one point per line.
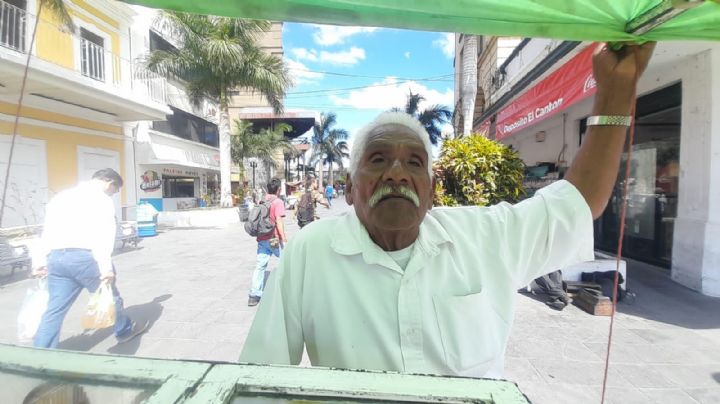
x=593, y=302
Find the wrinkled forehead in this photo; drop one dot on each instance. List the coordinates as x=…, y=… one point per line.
x=394, y=134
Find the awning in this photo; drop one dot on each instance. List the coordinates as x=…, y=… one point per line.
x=299, y=121
x=161, y=154
x=565, y=86
x=582, y=20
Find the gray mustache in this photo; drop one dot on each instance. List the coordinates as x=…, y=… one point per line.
x=385, y=190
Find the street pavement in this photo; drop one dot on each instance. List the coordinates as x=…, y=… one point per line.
x=192, y=285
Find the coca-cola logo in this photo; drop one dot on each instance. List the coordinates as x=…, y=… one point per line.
x=590, y=83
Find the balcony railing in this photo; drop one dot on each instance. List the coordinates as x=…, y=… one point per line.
x=77, y=55
x=12, y=27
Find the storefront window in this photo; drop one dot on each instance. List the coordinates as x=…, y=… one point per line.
x=178, y=187
x=188, y=126
x=653, y=183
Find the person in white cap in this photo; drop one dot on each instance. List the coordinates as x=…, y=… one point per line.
x=397, y=286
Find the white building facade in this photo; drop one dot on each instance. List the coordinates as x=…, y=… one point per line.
x=539, y=107
x=176, y=160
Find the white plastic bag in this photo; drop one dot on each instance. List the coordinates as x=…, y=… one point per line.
x=100, y=311
x=31, y=312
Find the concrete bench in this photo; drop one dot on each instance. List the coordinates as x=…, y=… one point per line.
x=602, y=263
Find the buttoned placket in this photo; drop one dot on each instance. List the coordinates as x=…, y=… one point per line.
x=410, y=319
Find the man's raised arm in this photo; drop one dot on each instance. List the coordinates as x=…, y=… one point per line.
x=594, y=170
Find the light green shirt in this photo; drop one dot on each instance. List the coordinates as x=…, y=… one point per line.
x=449, y=312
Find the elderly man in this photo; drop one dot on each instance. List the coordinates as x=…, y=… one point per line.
x=398, y=286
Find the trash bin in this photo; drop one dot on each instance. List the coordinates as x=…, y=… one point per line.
x=244, y=212
x=147, y=229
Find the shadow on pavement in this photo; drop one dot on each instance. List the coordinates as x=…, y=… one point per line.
x=127, y=249
x=149, y=312
x=661, y=299
x=19, y=275
x=171, y=229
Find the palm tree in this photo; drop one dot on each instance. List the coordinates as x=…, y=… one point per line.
x=431, y=118
x=329, y=144
x=265, y=145
x=57, y=8
x=217, y=55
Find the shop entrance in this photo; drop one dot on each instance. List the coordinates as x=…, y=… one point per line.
x=653, y=183
x=178, y=187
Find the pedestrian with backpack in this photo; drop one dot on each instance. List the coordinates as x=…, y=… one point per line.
x=266, y=224
x=305, y=212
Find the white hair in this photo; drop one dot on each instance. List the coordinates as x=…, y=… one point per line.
x=361, y=138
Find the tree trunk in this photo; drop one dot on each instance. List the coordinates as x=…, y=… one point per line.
x=320, y=173
x=330, y=174
x=225, y=159
x=469, y=82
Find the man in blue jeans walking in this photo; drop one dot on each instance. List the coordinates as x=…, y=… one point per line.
x=270, y=244
x=79, y=238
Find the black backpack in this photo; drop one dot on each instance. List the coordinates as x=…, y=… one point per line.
x=306, y=208
x=259, y=222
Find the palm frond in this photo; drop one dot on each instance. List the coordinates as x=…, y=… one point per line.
x=413, y=103
x=58, y=10
x=218, y=54
x=264, y=145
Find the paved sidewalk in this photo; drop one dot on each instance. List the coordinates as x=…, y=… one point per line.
x=192, y=285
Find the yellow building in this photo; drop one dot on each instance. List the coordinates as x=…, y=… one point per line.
x=81, y=88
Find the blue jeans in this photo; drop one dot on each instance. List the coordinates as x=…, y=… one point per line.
x=69, y=272
x=329, y=199
x=264, y=252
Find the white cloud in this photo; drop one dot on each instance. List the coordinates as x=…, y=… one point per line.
x=327, y=35
x=446, y=43
x=390, y=93
x=407, y=55
x=301, y=74
x=346, y=58
x=305, y=54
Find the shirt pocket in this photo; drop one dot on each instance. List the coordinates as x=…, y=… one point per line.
x=472, y=332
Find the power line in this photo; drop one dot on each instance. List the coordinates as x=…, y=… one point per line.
x=332, y=107
x=439, y=78
x=336, y=90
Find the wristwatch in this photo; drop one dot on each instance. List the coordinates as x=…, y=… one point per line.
x=609, y=120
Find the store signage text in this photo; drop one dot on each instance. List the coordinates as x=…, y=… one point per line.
x=531, y=116
x=201, y=158
x=567, y=85
x=178, y=171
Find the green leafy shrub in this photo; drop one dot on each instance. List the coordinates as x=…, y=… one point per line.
x=474, y=170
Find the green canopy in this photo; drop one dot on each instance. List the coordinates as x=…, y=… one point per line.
x=591, y=20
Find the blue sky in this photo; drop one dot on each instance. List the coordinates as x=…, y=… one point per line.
x=390, y=56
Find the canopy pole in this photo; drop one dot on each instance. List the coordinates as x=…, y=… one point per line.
x=659, y=15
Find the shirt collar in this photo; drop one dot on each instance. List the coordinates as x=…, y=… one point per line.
x=356, y=239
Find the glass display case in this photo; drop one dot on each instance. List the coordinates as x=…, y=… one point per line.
x=36, y=376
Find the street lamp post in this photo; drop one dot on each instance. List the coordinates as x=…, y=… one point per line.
x=253, y=164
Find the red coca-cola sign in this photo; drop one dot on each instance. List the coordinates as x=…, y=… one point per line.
x=567, y=85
